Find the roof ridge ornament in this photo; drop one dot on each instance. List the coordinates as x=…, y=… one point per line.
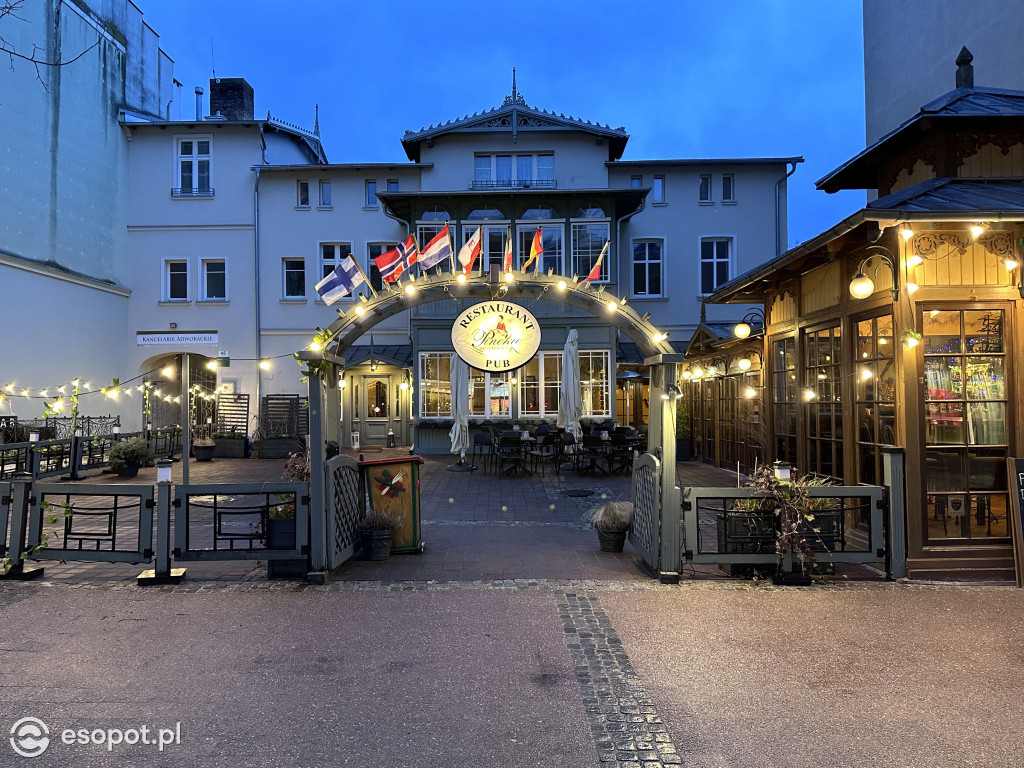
x=964, y=70
x=516, y=97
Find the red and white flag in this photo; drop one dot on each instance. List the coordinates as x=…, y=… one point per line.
x=470, y=251
x=595, y=273
x=507, y=263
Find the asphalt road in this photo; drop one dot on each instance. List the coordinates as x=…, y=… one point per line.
x=559, y=674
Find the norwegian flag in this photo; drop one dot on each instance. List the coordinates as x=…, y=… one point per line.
x=394, y=262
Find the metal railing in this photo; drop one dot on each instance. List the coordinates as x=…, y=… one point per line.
x=515, y=184
x=193, y=192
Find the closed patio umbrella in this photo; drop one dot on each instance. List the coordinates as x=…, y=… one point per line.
x=459, y=379
x=570, y=398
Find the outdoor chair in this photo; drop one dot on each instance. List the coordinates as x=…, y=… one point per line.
x=567, y=450
x=594, y=452
x=620, y=454
x=483, y=446
x=542, y=452
x=510, y=455
x=542, y=429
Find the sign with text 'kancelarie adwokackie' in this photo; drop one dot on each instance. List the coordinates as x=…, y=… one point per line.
x=496, y=336
x=143, y=338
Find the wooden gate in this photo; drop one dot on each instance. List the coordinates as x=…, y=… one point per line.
x=645, y=533
x=346, y=503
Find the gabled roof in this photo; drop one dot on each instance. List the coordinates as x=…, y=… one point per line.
x=711, y=336
x=956, y=195
x=399, y=355
x=988, y=106
x=516, y=115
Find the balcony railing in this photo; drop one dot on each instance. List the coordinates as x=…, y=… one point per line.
x=186, y=192
x=516, y=184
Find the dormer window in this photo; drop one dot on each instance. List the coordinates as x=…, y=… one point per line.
x=514, y=171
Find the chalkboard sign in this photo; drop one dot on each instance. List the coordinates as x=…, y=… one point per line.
x=1015, y=470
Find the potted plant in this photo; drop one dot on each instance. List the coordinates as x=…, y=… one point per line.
x=127, y=456
x=279, y=446
x=377, y=530
x=202, y=448
x=683, y=452
x=231, y=445
x=611, y=521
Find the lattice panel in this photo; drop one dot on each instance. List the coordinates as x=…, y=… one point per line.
x=233, y=414
x=644, y=533
x=279, y=416
x=347, y=508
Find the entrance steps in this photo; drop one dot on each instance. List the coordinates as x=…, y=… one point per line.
x=975, y=564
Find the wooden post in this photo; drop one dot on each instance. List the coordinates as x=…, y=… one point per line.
x=895, y=482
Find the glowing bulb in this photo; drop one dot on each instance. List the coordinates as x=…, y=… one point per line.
x=510, y=277
x=343, y=383
x=912, y=342
x=410, y=289
x=687, y=374
x=742, y=330
x=513, y=380
x=809, y=394
x=750, y=392
x=113, y=393
x=24, y=393
x=9, y=388
x=865, y=374
x=712, y=370
x=822, y=376
x=212, y=365
x=265, y=365
x=977, y=230
x=88, y=385
x=168, y=372
x=861, y=286
x=658, y=337
x=914, y=261
x=744, y=363
x=360, y=309
x=613, y=305
x=61, y=390
x=461, y=278
x=42, y=393
x=1010, y=264
x=315, y=346
x=561, y=285
x=912, y=287
x=697, y=372
x=883, y=341
x=75, y=382
x=405, y=385
x=906, y=233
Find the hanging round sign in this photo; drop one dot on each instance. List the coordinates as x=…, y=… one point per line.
x=496, y=336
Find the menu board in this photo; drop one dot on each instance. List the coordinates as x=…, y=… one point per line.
x=1015, y=470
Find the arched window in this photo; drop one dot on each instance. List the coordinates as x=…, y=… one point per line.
x=591, y=211
x=435, y=214
x=485, y=214
x=541, y=212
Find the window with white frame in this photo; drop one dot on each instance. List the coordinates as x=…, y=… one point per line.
x=331, y=255
x=588, y=239
x=715, y=260
x=539, y=382
x=489, y=394
x=595, y=382
x=371, y=193
x=658, y=193
x=435, y=384
x=215, y=280
x=176, y=280
x=325, y=193
x=373, y=251
x=520, y=170
x=302, y=193
x=430, y=223
x=704, y=194
x=294, y=278
x=728, y=188
x=492, y=238
x=648, y=258
x=193, y=166
x=551, y=240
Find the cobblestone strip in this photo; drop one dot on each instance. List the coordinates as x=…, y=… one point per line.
x=625, y=723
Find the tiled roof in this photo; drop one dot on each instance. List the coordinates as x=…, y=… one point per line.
x=389, y=354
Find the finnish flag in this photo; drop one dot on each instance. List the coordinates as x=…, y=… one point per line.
x=344, y=279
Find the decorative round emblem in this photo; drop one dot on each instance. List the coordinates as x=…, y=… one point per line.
x=496, y=336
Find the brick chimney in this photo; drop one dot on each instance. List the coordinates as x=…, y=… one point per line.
x=232, y=98
x=964, y=70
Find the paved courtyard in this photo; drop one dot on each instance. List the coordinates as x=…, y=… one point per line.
x=510, y=641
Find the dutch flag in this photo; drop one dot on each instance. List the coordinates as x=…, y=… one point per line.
x=437, y=250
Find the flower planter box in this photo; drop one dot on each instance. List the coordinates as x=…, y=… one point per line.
x=231, y=447
x=746, y=533
x=279, y=447
x=203, y=452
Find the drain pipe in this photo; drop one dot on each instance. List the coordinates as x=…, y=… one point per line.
x=256, y=281
x=778, y=207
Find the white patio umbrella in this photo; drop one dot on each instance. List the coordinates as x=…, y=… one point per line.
x=570, y=397
x=459, y=379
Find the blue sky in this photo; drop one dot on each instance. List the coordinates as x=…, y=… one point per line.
x=736, y=78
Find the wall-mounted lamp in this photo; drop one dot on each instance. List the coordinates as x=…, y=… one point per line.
x=863, y=286
x=743, y=328
x=342, y=383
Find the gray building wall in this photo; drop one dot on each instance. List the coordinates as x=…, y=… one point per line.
x=910, y=47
